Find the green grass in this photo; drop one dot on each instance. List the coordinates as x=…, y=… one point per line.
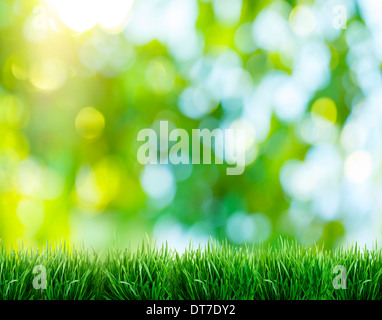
x=218, y=271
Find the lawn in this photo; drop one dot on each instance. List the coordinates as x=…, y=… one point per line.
x=216, y=271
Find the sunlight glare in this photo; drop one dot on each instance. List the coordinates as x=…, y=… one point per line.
x=82, y=15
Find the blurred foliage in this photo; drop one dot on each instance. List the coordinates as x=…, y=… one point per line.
x=78, y=83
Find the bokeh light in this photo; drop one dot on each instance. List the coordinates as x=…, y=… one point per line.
x=80, y=79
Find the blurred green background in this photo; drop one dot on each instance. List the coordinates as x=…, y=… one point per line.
x=80, y=78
